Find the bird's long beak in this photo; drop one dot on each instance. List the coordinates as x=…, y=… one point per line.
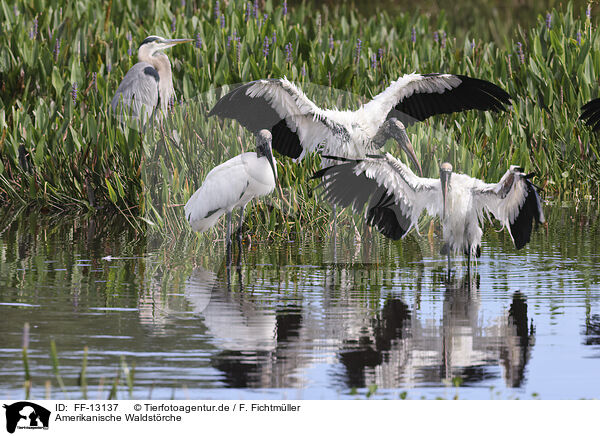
x=406, y=145
x=445, y=180
x=269, y=156
x=172, y=42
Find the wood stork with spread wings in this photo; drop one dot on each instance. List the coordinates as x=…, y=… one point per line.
x=233, y=184
x=395, y=198
x=591, y=113
x=149, y=82
x=299, y=126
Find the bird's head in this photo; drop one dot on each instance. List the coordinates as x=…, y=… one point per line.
x=393, y=128
x=154, y=44
x=445, y=173
x=263, y=148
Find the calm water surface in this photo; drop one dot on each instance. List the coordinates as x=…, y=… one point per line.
x=303, y=319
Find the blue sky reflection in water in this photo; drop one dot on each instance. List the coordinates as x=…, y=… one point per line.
x=302, y=319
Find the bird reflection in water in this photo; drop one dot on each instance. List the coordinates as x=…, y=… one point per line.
x=399, y=349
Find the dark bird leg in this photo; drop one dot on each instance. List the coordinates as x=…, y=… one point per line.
x=449, y=271
x=469, y=262
x=240, y=224
x=239, y=238
x=228, y=240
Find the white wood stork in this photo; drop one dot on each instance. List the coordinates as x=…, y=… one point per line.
x=233, y=184
x=299, y=126
x=591, y=113
x=149, y=82
x=396, y=197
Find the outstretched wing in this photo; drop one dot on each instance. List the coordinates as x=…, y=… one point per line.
x=296, y=123
x=419, y=96
x=393, y=195
x=591, y=114
x=514, y=202
x=138, y=92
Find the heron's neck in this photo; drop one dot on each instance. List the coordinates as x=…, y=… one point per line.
x=161, y=63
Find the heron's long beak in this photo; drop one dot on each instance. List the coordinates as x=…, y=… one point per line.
x=406, y=145
x=445, y=180
x=172, y=42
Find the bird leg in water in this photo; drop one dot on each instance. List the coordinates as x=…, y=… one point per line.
x=241, y=223
x=228, y=240
x=469, y=261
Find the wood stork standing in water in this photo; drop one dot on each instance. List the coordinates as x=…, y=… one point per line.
x=591, y=113
x=299, y=126
x=396, y=197
x=233, y=184
x=149, y=81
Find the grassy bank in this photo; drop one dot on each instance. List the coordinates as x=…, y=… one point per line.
x=60, y=65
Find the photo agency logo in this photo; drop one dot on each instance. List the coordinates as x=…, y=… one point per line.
x=25, y=415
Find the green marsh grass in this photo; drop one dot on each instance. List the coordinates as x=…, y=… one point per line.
x=61, y=149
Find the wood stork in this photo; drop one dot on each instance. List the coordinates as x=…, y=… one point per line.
x=149, y=81
x=233, y=184
x=299, y=126
x=591, y=113
x=396, y=197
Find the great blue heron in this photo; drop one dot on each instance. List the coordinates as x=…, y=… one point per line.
x=396, y=197
x=149, y=81
x=233, y=184
x=299, y=126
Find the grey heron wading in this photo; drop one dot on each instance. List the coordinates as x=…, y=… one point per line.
x=395, y=198
x=233, y=184
x=149, y=83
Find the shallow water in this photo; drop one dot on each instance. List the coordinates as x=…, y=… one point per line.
x=306, y=319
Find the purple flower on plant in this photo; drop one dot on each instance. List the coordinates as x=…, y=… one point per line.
x=358, y=46
x=198, y=41
x=521, y=54
x=274, y=38
x=374, y=61
x=109, y=66
x=330, y=42
x=436, y=36
x=443, y=39
x=217, y=10
x=129, y=52
x=248, y=9
x=94, y=81
x=380, y=54
x=266, y=46
x=549, y=20
x=74, y=92
x=222, y=21
x=288, y=53
x=473, y=44
x=173, y=24
x=56, y=49
x=255, y=9
x=284, y=8
x=588, y=11
x=303, y=70
x=413, y=35
x=34, y=29
x=578, y=38
x=128, y=36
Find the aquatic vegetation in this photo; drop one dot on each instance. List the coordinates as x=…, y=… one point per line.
x=60, y=148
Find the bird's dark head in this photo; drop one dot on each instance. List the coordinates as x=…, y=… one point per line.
x=263, y=148
x=445, y=173
x=153, y=44
x=394, y=128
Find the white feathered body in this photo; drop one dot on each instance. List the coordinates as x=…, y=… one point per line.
x=232, y=184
